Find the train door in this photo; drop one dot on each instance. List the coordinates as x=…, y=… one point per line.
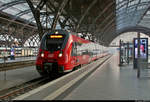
x=74, y=54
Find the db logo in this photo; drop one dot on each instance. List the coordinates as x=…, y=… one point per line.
x=51, y=55
x=84, y=57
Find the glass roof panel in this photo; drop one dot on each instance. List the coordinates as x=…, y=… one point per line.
x=7, y=1
x=148, y=12
x=134, y=2
x=27, y=16
x=129, y=12
x=12, y=11
x=21, y=7
x=146, y=17
x=145, y=20
x=16, y=9
x=144, y=1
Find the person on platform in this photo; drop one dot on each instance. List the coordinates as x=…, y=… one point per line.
x=5, y=54
x=12, y=54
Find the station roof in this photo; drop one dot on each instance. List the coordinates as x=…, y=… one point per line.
x=104, y=19
x=133, y=15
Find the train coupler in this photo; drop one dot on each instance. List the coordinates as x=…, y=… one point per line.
x=48, y=67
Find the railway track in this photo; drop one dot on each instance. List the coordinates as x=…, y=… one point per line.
x=10, y=93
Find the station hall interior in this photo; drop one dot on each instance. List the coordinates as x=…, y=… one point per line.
x=74, y=50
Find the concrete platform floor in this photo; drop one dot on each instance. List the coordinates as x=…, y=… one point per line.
x=18, y=59
x=17, y=76
x=110, y=82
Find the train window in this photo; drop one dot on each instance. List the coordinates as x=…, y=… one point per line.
x=74, y=49
x=54, y=44
x=78, y=44
x=85, y=52
x=79, y=48
x=43, y=45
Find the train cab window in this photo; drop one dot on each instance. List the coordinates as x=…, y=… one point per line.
x=74, y=49
x=53, y=43
x=85, y=52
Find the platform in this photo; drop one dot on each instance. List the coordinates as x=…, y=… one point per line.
x=107, y=82
x=18, y=59
x=110, y=82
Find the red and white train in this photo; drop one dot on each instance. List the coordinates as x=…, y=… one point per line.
x=62, y=51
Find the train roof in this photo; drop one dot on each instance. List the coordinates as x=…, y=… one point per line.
x=58, y=31
x=67, y=32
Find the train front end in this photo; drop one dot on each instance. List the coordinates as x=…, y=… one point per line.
x=52, y=53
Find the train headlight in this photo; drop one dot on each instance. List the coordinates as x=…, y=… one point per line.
x=42, y=54
x=60, y=54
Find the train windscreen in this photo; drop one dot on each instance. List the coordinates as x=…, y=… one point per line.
x=54, y=42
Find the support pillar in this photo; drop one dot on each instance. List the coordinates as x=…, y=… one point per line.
x=138, y=58
x=128, y=52
x=120, y=53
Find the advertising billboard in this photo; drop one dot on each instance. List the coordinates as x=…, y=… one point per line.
x=143, y=48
